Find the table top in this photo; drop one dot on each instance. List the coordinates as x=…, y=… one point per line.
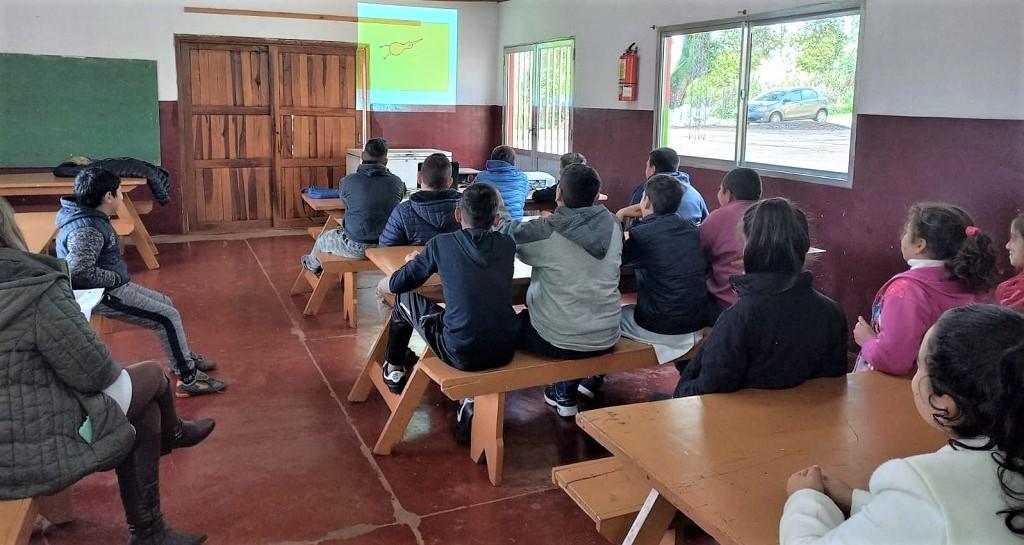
x=39, y=228
x=323, y=205
x=723, y=460
x=45, y=183
x=391, y=258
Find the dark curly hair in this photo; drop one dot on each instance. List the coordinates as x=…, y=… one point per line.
x=976, y=357
x=969, y=258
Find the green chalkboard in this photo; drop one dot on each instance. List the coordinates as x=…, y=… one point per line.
x=52, y=107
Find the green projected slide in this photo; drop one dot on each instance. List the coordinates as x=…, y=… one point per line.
x=413, y=54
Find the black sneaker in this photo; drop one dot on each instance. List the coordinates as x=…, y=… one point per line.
x=566, y=406
x=395, y=380
x=591, y=386
x=464, y=422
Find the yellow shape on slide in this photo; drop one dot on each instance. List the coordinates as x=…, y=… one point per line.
x=407, y=58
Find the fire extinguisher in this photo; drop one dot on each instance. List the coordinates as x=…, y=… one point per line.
x=628, y=74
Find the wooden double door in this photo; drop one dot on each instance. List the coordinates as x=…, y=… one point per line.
x=260, y=121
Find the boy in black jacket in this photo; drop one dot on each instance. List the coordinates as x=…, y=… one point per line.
x=672, y=295
x=478, y=328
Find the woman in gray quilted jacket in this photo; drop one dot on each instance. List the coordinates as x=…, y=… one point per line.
x=73, y=411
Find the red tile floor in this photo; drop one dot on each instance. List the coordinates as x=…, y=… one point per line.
x=290, y=460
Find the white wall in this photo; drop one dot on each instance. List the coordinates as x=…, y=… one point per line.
x=145, y=29
x=942, y=58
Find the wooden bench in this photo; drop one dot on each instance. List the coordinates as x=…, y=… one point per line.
x=17, y=517
x=612, y=496
x=335, y=268
x=609, y=494
x=487, y=387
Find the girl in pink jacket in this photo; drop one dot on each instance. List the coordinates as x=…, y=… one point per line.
x=951, y=263
x=1011, y=292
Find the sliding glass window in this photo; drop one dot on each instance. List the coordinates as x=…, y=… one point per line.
x=775, y=94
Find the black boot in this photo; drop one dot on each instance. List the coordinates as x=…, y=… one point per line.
x=188, y=433
x=162, y=534
x=138, y=478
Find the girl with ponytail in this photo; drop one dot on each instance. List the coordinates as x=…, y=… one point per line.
x=1011, y=292
x=951, y=262
x=969, y=380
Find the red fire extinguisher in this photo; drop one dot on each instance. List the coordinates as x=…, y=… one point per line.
x=628, y=74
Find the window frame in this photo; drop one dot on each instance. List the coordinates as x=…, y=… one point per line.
x=535, y=154
x=746, y=23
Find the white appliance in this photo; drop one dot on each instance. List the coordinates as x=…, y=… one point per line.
x=403, y=162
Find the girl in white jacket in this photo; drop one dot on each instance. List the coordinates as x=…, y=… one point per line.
x=970, y=385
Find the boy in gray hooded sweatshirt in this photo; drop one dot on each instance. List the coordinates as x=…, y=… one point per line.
x=573, y=302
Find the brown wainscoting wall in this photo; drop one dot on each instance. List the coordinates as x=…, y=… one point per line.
x=469, y=132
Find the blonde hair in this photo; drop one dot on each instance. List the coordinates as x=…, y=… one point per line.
x=10, y=235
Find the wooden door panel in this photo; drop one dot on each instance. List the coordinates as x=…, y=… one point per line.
x=233, y=195
x=307, y=136
x=221, y=77
x=314, y=96
x=232, y=137
x=310, y=80
x=291, y=181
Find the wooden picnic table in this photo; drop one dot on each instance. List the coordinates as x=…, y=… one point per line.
x=323, y=205
x=723, y=460
x=44, y=183
x=39, y=228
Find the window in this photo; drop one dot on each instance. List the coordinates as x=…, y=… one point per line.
x=538, y=103
x=773, y=94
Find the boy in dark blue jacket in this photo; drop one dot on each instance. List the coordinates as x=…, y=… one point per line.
x=429, y=212
x=673, y=303
x=477, y=328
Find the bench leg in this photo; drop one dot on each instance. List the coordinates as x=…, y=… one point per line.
x=320, y=290
x=394, y=430
x=301, y=285
x=57, y=508
x=652, y=521
x=140, y=227
x=488, y=434
x=364, y=382
x=350, y=290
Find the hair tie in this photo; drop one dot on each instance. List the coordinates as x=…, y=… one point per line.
x=971, y=230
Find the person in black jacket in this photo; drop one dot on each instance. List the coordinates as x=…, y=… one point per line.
x=428, y=212
x=370, y=194
x=672, y=295
x=781, y=332
x=477, y=329
x=548, y=193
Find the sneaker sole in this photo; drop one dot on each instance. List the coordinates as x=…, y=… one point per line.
x=564, y=412
x=586, y=392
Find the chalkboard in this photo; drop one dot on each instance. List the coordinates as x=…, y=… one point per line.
x=52, y=107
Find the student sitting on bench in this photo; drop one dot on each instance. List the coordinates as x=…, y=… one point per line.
x=370, y=194
x=88, y=243
x=548, y=193
x=573, y=302
x=781, y=332
x=672, y=295
x=69, y=409
x=666, y=161
x=429, y=211
x=507, y=179
x=477, y=328
x=720, y=235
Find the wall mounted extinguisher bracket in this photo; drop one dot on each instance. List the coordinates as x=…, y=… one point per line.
x=628, y=74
